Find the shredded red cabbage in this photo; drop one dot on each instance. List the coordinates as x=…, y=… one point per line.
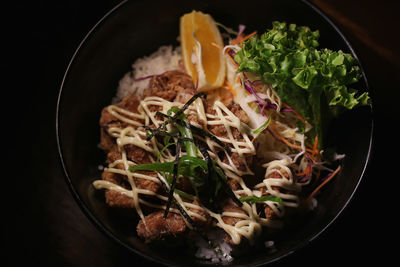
x=149, y=76
x=327, y=176
x=287, y=109
x=241, y=29
x=256, y=82
x=262, y=103
x=306, y=178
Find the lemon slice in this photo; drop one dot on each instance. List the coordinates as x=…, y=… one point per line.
x=202, y=45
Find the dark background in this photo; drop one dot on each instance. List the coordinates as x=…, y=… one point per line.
x=41, y=223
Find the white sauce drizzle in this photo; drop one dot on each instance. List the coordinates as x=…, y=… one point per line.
x=250, y=223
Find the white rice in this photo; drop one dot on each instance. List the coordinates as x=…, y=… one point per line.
x=164, y=59
x=204, y=251
x=313, y=204
x=270, y=246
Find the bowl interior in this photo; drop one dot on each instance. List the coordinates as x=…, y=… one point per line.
x=136, y=29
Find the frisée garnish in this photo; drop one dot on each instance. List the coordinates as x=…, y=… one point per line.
x=287, y=58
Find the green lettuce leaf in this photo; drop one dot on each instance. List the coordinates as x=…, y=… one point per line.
x=287, y=58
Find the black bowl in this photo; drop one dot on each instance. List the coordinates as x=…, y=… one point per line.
x=134, y=29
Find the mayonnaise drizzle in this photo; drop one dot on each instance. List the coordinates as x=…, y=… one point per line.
x=250, y=223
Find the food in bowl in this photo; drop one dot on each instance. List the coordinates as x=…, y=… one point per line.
x=224, y=132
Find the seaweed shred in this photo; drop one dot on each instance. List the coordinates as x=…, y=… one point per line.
x=212, y=169
x=174, y=178
x=177, y=114
x=197, y=129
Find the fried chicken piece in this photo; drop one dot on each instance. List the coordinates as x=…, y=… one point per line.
x=269, y=212
x=157, y=227
x=168, y=85
x=230, y=206
x=107, y=120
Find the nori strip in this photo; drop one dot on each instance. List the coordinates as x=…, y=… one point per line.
x=198, y=130
x=227, y=189
x=177, y=114
x=174, y=177
x=165, y=133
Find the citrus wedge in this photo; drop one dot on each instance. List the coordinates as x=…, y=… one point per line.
x=202, y=45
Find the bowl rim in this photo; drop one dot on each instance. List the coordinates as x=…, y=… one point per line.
x=100, y=226
x=83, y=206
